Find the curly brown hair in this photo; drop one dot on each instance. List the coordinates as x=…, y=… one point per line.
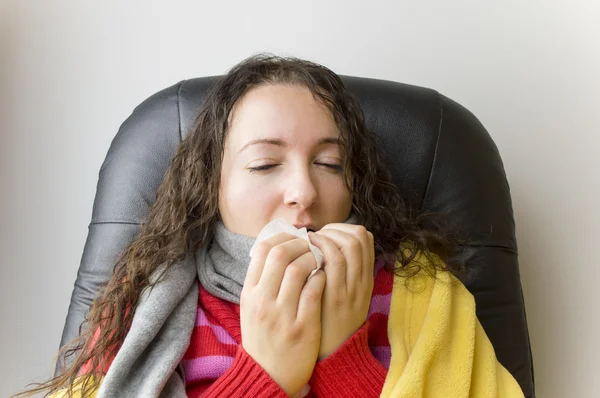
x=186, y=208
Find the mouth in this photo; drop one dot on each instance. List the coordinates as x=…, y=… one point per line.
x=310, y=228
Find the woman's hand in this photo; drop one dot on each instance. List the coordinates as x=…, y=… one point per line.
x=349, y=256
x=280, y=311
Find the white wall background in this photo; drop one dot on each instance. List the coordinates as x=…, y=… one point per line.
x=72, y=71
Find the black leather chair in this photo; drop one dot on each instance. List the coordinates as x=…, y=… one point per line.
x=440, y=155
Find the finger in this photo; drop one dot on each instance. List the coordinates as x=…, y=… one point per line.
x=351, y=250
x=367, y=242
x=371, y=269
x=257, y=262
x=309, y=305
x=334, y=261
x=294, y=279
x=278, y=259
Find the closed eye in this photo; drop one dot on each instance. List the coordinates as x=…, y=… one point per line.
x=265, y=167
x=335, y=167
x=261, y=168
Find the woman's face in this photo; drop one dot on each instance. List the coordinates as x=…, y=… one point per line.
x=282, y=160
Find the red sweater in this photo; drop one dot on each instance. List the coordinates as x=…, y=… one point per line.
x=226, y=370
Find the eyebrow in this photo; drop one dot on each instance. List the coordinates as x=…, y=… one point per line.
x=281, y=143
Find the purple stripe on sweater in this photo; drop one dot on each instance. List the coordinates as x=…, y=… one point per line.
x=383, y=355
x=208, y=367
x=380, y=262
x=219, y=331
x=380, y=304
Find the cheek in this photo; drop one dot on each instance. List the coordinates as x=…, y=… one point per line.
x=246, y=198
x=248, y=206
x=337, y=198
x=243, y=187
x=333, y=187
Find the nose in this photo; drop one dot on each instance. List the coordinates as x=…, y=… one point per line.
x=300, y=190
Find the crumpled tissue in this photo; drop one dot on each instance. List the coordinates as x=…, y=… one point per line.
x=280, y=225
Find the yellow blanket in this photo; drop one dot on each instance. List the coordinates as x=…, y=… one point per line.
x=439, y=348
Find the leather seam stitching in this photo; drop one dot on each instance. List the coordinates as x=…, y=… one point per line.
x=435, y=152
x=493, y=247
x=114, y=222
x=179, y=109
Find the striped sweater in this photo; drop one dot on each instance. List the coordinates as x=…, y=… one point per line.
x=438, y=346
x=215, y=364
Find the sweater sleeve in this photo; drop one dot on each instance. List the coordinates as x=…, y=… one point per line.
x=351, y=371
x=244, y=378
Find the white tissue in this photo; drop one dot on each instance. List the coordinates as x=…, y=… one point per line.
x=280, y=225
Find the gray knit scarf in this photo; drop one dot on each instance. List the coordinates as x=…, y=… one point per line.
x=148, y=362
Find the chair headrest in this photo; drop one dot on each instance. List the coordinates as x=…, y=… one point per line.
x=440, y=156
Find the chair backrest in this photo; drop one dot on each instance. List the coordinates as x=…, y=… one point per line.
x=439, y=154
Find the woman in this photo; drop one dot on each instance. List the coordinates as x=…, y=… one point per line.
x=188, y=312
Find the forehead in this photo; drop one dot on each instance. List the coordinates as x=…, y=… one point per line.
x=287, y=112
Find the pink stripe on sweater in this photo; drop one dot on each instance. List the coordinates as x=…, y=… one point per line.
x=380, y=262
x=219, y=331
x=380, y=304
x=383, y=355
x=208, y=367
